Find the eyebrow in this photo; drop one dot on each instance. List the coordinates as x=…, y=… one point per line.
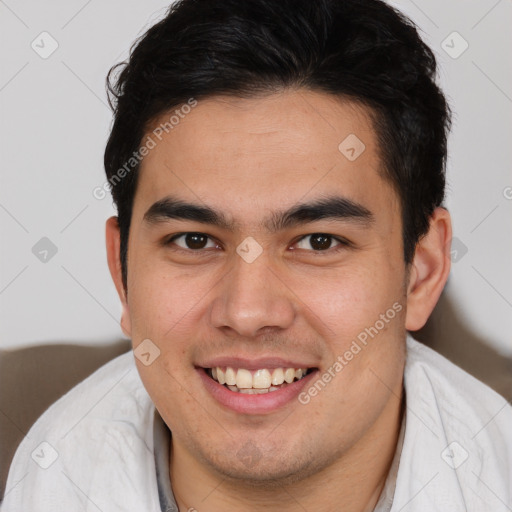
x=330, y=208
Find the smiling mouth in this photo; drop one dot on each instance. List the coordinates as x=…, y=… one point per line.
x=256, y=382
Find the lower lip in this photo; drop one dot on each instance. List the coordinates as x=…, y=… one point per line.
x=254, y=404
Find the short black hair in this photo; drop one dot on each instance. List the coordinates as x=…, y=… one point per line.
x=361, y=50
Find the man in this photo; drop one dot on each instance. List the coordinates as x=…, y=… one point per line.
x=278, y=170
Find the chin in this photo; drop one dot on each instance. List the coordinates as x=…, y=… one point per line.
x=276, y=469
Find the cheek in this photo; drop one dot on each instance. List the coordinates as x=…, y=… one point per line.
x=164, y=302
x=345, y=301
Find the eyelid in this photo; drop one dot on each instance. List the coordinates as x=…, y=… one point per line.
x=171, y=239
x=343, y=243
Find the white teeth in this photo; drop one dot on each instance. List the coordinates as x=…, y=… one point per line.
x=230, y=376
x=289, y=375
x=253, y=391
x=243, y=379
x=256, y=382
x=261, y=379
x=277, y=376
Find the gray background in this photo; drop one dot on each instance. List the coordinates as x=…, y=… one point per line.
x=55, y=122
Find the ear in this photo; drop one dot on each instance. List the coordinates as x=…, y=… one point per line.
x=113, y=240
x=429, y=270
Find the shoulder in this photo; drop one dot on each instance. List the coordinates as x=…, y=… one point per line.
x=98, y=392
x=453, y=389
x=101, y=427
x=457, y=452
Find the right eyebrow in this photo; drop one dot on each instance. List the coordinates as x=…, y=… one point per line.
x=170, y=208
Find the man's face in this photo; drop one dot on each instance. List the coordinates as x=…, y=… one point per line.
x=297, y=293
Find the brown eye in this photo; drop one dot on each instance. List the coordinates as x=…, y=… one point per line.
x=192, y=241
x=318, y=242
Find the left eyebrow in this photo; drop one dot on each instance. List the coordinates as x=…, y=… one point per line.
x=332, y=207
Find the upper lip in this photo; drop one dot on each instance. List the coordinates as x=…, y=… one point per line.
x=254, y=364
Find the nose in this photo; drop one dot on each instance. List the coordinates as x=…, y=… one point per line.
x=252, y=299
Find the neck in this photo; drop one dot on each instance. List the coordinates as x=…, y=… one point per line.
x=356, y=480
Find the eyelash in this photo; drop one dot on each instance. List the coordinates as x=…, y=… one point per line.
x=343, y=244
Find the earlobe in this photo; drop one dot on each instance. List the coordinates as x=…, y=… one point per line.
x=113, y=242
x=430, y=270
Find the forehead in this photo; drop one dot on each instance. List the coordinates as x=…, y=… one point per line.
x=262, y=152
